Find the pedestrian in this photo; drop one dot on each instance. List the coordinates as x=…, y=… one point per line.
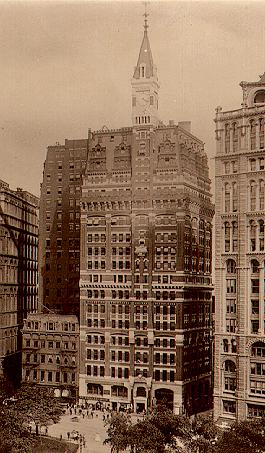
x=70, y=411
x=68, y=435
x=83, y=415
x=92, y=414
x=75, y=411
x=46, y=431
x=61, y=436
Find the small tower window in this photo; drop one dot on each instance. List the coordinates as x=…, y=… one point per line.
x=259, y=97
x=151, y=100
x=142, y=71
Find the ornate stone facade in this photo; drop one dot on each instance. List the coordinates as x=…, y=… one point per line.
x=145, y=264
x=239, y=389
x=18, y=272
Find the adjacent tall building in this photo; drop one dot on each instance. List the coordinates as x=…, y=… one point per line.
x=59, y=250
x=239, y=390
x=18, y=272
x=145, y=275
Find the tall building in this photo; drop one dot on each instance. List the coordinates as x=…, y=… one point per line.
x=18, y=272
x=59, y=238
x=50, y=353
x=239, y=389
x=145, y=264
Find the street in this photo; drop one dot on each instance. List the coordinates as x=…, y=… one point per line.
x=92, y=428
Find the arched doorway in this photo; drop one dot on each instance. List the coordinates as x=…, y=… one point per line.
x=165, y=397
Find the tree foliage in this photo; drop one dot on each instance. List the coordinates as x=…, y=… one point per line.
x=29, y=404
x=244, y=437
x=119, y=431
x=38, y=405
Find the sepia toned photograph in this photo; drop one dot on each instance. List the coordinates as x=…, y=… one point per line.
x=132, y=259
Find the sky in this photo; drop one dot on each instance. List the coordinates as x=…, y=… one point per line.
x=67, y=66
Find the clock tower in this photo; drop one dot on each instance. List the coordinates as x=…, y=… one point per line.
x=145, y=86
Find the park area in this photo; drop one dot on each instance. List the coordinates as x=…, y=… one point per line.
x=91, y=431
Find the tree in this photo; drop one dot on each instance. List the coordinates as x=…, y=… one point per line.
x=243, y=437
x=155, y=434
x=37, y=405
x=145, y=437
x=119, y=432
x=204, y=435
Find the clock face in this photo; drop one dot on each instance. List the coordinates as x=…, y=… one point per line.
x=144, y=100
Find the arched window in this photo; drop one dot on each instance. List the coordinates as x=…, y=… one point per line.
x=252, y=164
x=252, y=235
x=227, y=197
x=252, y=134
x=225, y=345
x=231, y=267
x=142, y=71
x=259, y=97
x=227, y=236
x=229, y=366
x=235, y=136
x=253, y=195
x=254, y=266
x=257, y=368
x=261, y=132
x=227, y=138
x=234, y=229
x=234, y=196
x=229, y=376
x=261, y=194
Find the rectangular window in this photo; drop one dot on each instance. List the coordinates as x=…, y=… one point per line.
x=255, y=286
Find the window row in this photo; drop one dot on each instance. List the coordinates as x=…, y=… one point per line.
x=164, y=375
x=50, y=376
x=121, y=251
x=96, y=237
x=49, y=358
x=96, y=264
x=50, y=344
x=165, y=266
x=165, y=237
x=96, y=251
x=121, y=237
x=95, y=370
x=96, y=323
x=121, y=265
x=165, y=342
x=95, y=339
x=96, y=294
x=120, y=356
x=165, y=358
x=256, y=164
x=95, y=354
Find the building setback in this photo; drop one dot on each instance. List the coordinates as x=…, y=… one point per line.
x=18, y=272
x=50, y=353
x=145, y=264
x=59, y=238
x=239, y=389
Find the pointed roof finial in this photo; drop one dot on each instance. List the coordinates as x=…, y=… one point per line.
x=145, y=17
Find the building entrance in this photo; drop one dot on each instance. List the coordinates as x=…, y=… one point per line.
x=164, y=396
x=140, y=407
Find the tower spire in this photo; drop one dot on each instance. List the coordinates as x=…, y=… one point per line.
x=145, y=17
x=145, y=84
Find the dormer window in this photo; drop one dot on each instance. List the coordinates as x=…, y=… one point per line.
x=259, y=97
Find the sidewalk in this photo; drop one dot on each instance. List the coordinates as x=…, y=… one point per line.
x=92, y=428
